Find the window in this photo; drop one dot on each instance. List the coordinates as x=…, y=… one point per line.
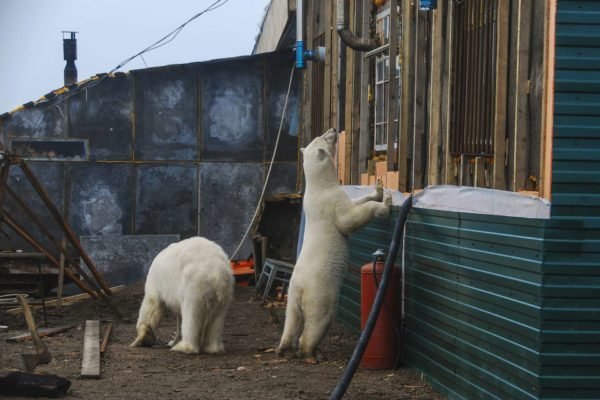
x=50, y=149
x=382, y=77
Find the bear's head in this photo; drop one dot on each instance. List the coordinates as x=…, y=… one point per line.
x=319, y=155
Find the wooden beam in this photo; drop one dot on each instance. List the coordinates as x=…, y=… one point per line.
x=536, y=98
x=548, y=101
x=90, y=363
x=364, y=145
x=42, y=332
x=421, y=74
x=500, y=109
x=392, y=99
x=520, y=87
x=106, y=337
x=65, y=301
x=479, y=172
x=61, y=274
x=434, y=116
x=448, y=172
x=407, y=98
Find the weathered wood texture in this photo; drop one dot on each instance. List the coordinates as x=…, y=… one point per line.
x=90, y=362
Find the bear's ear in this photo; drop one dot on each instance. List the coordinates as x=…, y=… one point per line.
x=302, y=150
x=323, y=154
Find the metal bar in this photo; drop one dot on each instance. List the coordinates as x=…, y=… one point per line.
x=377, y=51
x=25, y=235
x=66, y=228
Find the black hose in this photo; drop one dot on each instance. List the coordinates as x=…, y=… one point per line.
x=363, y=340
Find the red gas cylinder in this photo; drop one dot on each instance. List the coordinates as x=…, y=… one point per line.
x=383, y=347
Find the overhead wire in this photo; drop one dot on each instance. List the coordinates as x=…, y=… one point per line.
x=168, y=38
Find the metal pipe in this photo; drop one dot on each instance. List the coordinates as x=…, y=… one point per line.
x=349, y=39
x=300, y=62
x=365, y=336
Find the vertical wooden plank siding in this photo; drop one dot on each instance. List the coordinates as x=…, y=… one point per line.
x=392, y=100
x=407, y=92
x=500, y=106
x=447, y=90
x=548, y=106
x=519, y=94
x=435, y=96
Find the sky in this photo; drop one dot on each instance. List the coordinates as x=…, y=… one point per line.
x=110, y=31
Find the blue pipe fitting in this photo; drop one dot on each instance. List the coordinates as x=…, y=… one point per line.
x=300, y=62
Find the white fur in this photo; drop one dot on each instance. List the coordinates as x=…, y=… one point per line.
x=331, y=216
x=192, y=278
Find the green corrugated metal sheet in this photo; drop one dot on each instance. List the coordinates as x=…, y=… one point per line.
x=508, y=308
x=473, y=300
x=570, y=317
x=496, y=307
x=576, y=145
x=363, y=244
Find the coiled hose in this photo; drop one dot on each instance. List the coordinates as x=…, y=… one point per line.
x=365, y=335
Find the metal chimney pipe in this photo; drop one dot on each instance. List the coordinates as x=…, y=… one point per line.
x=70, y=55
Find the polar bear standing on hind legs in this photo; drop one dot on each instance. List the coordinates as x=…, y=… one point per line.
x=331, y=216
x=192, y=278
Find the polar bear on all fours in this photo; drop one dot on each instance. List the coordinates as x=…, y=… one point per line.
x=331, y=216
x=193, y=279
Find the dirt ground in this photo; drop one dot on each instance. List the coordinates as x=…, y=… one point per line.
x=248, y=370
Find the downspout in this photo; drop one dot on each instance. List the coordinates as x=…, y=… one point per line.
x=355, y=43
x=349, y=39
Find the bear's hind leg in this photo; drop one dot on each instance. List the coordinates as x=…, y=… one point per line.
x=317, y=321
x=192, y=324
x=177, y=337
x=292, y=327
x=213, y=338
x=151, y=312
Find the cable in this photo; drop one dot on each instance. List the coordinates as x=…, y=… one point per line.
x=359, y=350
x=159, y=43
x=262, y=195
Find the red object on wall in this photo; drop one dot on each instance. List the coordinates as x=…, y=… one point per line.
x=384, y=345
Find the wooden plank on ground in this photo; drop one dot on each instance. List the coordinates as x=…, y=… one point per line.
x=90, y=362
x=65, y=300
x=41, y=333
x=106, y=337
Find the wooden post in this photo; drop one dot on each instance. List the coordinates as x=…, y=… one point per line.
x=500, y=111
x=392, y=99
x=61, y=274
x=65, y=227
x=407, y=92
x=25, y=235
x=448, y=166
x=435, y=96
x=519, y=95
x=548, y=109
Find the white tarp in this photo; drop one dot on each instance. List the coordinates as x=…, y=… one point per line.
x=355, y=192
x=482, y=201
